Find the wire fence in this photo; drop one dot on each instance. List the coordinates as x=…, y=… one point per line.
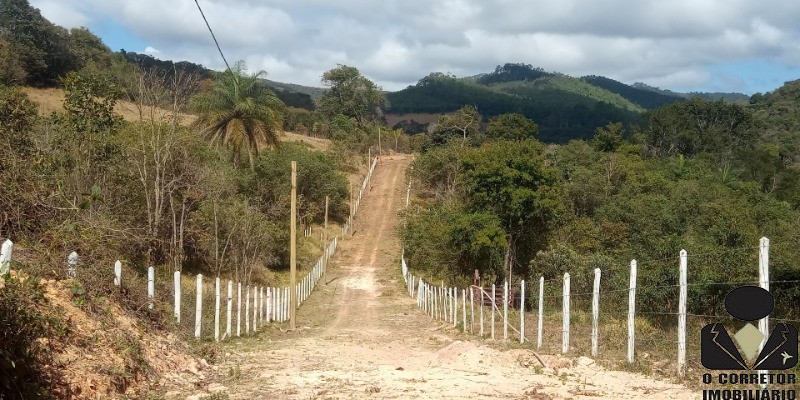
x=608, y=323
x=647, y=312
x=209, y=307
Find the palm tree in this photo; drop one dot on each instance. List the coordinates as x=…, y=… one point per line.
x=240, y=111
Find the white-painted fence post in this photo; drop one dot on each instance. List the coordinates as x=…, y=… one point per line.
x=5, y=257
x=435, y=299
x=176, y=283
x=117, y=273
x=763, y=281
x=494, y=296
x=595, y=311
x=263, y=310
x=632, y=312
x=72, y=265
x=455, y=307
x=255, y=309
x=464, y=310
x=276, y=309
x=682, y=281
x=269, y=305
x=247, y=310
x=565, y=317
x=522, y=312
x=151, y=286
x=505, y=310
x=198, y=309
x=481, y=307
x=239, y=309
x=216, y=310
x=229, y=321
x=541, y=310
x=471, y=311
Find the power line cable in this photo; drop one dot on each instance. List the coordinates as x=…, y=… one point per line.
x=212, y=35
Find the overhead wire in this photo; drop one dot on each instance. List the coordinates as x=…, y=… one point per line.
x=213, y=36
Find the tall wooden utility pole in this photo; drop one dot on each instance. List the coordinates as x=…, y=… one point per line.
x=325, y=233
x=352, y=206
x=293, y=251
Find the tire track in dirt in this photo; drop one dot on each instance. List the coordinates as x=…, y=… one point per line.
x=361, y=336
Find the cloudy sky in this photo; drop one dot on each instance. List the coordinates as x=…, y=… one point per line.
x=684, y=45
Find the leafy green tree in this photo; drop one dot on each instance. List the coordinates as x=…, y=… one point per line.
x=18, y=198
x=41, y=45
x=85, y=48
x=270, y=185
x=512, y=180
x=511, y=126
x=12, y=71
x=351, y=94
x=464, y=123
x=697, y=126
x=239, y=111
x=608, y=138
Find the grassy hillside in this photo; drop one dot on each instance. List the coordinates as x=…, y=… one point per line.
x=642, y=97
x=557, y=83
x=565, y=108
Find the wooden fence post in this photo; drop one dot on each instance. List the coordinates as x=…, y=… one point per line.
x=763, y=282
x=541, y=310
x=5, y=257
x=151, y=286
x=595, y=310
x=176, y=282
x=293, y=250
x=198, y=308
x=632, y=312
x=522, y=313
x=229, y=321
x=682, y=281
x=565, y=317
x=117, y=273
x=505, y=310
x=216, y=309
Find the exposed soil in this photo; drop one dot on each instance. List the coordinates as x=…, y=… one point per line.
x=361, y=336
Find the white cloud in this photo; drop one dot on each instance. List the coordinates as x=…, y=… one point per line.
x=62, y=14
x=669, y=43
x=150, y=50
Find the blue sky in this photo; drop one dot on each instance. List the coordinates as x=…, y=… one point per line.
x=682, y=45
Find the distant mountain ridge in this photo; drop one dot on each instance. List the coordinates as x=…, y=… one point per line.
x=565, y=107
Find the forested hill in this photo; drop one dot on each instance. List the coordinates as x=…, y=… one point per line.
x=564, y=107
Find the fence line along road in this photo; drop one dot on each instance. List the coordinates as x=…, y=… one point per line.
x=440, y=303
x=263, y=304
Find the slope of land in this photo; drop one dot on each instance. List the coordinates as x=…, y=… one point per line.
x=51, y=100
x=361, y=336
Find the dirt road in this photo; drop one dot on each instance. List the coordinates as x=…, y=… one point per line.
x=361, y=336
